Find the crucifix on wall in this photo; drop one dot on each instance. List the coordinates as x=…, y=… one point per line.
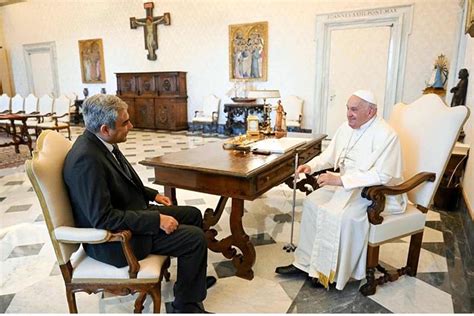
x=150, y=27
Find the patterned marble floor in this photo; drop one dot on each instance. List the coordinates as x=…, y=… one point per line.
x=30, y=277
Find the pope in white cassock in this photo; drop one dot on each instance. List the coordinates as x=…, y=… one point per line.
x=334, y=226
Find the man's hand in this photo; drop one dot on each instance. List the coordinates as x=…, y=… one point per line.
x=329, y=179
x=168, y=223
x=162, y=200
x=302, y=169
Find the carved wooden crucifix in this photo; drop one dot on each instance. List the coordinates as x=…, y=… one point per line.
x=150, y=28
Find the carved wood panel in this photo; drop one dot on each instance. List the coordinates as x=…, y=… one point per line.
x=126, y=85
x=145, y=113
x=157, y=100
x=146, y=85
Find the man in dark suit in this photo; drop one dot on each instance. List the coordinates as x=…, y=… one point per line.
x=106, y=193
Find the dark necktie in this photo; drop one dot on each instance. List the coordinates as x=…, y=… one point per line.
x=122, y=160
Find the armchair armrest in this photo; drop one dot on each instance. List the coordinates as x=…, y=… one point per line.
x=377, y=193
x=59, y=116
x=309, y=184
x=75, y=235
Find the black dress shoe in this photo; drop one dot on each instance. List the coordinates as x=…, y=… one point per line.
x=289, y=270
x=189, y=308
x=315, y=283
x=210, y=281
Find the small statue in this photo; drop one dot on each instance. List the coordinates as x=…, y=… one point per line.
x=439, y=74
x=460, y=90
x=280, y=121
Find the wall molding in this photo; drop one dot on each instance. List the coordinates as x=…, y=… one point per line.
x=398, y=17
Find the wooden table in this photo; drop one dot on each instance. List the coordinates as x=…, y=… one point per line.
x=229, y=174
x=17, y=139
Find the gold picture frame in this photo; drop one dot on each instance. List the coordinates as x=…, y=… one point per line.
x=248, y=51
x=91, y=53
x=470, y=18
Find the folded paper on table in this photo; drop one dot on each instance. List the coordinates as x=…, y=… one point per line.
x=278, y=146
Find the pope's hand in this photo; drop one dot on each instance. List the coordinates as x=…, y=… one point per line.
x=168, y=223
x=302, y=169
x=329, y=179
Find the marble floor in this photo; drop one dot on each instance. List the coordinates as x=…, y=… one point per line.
x=30, y=277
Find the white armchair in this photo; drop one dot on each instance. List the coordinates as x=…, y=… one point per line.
x=80, y=272
x=428, y=130
x=293, y=107
x=4, y=103
x=207, y=118
x=18, y=103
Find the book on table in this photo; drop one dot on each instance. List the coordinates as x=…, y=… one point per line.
x=277, y=146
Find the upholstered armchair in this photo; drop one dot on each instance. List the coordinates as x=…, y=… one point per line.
x=80, y=272
x=428, y=130
x=293, y=107
x=4, y=109
x=208, y=116
x=18, y=103
x=4, y=104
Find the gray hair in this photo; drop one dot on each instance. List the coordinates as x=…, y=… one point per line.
x=101, y=109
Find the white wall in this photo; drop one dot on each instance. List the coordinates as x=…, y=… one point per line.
x=197, y=40
x=468, y=183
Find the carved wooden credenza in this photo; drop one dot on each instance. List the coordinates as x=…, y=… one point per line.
x=156, y=100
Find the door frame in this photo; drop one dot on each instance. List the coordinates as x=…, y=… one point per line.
x=45, y=47
x=399, y=18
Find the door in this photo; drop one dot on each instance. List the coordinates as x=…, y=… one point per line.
x=41, y=68
x=358, y=60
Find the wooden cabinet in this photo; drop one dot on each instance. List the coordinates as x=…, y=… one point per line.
x=156, y=100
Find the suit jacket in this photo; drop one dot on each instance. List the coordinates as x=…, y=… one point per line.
x=104, y=197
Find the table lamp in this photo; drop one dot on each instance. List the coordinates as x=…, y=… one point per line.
x=267, y=108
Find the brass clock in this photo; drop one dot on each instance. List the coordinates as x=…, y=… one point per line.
x=252, y=126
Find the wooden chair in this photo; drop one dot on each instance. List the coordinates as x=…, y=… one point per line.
x=31, y=108
x=60, y=116
x=45, y=113
x=207, y=118
x=80, y=272
x=293, y=107
x=428, y=130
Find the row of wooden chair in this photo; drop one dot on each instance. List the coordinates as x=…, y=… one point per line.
x=46, y=112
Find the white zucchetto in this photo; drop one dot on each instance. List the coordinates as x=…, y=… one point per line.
x=366, y=95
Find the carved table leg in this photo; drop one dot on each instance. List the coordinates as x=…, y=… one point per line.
x=15, y=137
x=25, y=135
x=171, y=193
x=242, y=262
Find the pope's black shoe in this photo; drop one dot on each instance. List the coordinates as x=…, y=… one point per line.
x=210, y=281
x=315, y=283
x=289, y=270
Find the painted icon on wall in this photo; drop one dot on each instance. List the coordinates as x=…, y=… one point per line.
x=248, y=51
x=91, y=53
